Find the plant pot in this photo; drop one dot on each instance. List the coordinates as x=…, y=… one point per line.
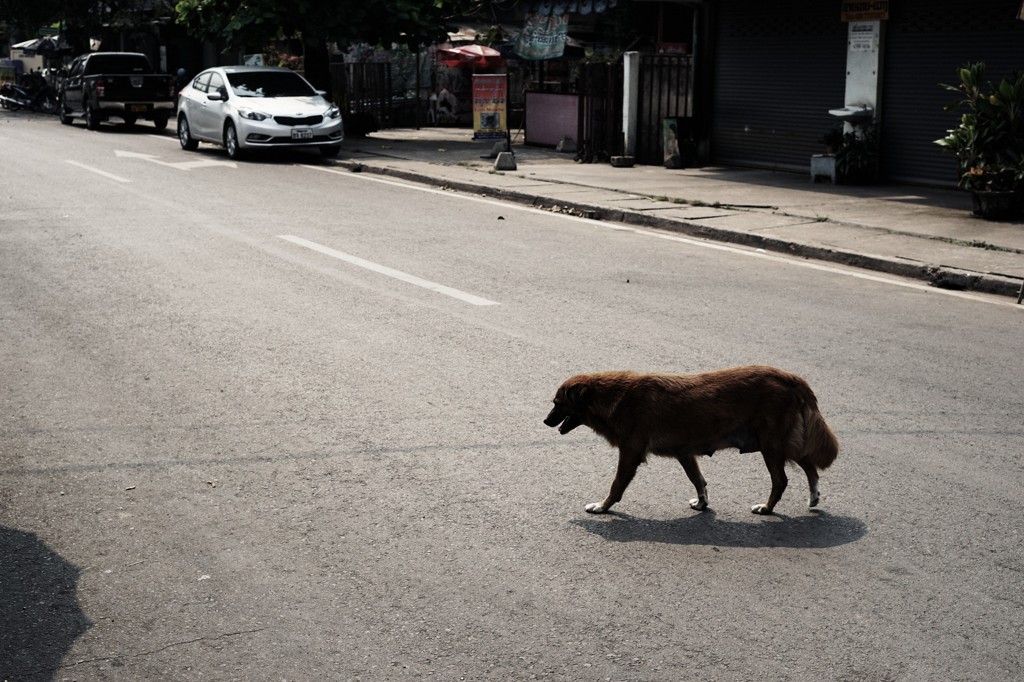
x=992, y=205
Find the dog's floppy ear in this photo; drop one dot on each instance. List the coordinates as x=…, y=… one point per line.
x=576, y=395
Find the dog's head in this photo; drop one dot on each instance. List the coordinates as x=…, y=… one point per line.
x=569, y=409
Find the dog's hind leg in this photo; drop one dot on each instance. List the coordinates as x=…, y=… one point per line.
x=812, y=483
x=777, y=469
x=692, y=469
x=629, y=460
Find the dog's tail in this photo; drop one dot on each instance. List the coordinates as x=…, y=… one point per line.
x=820, y=445
x=813, y=440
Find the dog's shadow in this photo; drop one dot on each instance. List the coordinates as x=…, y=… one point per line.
x=817, y=530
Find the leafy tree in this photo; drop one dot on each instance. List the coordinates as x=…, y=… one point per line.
x=85, y=18
x=255, y=23
x=22, y=19
x=79, y=18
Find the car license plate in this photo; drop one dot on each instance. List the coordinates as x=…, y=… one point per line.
x=138, y=108
x=302, y=134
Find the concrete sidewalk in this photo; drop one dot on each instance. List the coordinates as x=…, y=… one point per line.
x=922, y=233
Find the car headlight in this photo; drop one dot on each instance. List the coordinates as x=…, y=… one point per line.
x=253, y=115
x=334, y=112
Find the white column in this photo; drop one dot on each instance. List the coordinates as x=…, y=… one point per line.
x=630, y=98
x=864, y=65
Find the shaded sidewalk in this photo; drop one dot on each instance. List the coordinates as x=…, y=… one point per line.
x=923, y=233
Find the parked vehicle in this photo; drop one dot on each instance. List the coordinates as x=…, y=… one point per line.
x=243, y=108
x=32, y=93
x=101, y=85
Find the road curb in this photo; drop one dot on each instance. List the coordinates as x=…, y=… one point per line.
x=934, y=274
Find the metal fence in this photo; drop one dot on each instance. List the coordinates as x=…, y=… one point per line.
x=599, y=132
x=363, y=91
x=666, y=91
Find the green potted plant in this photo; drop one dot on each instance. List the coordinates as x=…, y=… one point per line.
x=852, y=157
x=833, y=139
x=857, y=158
x=989, y=141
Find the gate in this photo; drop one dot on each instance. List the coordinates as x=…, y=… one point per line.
x=599, y=131
x=363, y=92
x=666, y=91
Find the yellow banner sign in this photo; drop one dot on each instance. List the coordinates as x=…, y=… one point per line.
x=490, y=95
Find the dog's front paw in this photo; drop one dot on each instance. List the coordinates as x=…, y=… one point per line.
x=698, y=504
x=761, y=509
x=595, y=508
x=812, y=502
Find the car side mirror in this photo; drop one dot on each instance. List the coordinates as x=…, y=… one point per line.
x=218, y=95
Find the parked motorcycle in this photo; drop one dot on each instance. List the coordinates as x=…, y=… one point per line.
x=32, y=93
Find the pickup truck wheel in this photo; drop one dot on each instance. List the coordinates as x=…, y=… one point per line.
x=62, y=112
x=160, y=122
x=92, y=121
x=231, y=142
x=188, y=143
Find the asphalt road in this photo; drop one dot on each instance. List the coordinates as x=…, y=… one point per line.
x=279, y=421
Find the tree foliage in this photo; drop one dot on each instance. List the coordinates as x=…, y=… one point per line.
x=254, y=23
x=80, y=18
x=24, y=18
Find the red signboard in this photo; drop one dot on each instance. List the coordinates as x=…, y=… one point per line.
x=864, y=10
x=490, y=96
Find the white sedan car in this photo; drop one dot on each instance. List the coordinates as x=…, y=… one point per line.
x=256, y=107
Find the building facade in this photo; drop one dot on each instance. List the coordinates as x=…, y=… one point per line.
x=776, y=69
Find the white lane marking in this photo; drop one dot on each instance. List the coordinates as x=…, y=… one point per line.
x=97, y=171
x=750, y=253
x=178, y=165
x=390, y=272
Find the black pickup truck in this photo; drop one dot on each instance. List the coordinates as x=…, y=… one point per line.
x=100, y=85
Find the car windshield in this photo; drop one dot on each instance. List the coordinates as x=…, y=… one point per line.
x=269, y=84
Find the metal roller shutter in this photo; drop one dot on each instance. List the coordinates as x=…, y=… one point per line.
x=926, y=42
x=779, y=67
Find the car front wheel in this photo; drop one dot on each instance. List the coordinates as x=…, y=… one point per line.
x=62, y=111
x=231, y=141
x=188, y=143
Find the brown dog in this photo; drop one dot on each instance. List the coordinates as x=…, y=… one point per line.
x=752, y=408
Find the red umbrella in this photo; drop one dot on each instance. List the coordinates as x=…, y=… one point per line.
x=470, y=55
